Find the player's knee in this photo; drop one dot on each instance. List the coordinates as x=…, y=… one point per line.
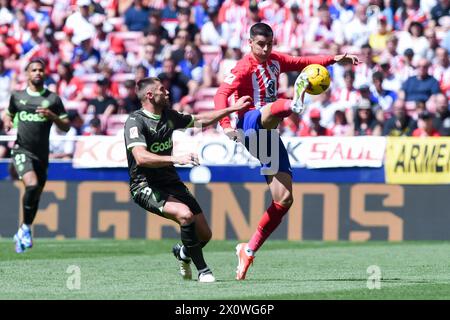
x=287, y=200
x=185, y=216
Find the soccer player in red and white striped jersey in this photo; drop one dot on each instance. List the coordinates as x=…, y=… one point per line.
x=256, y=75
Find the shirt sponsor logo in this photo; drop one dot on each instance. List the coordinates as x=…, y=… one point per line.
x=134, y=133
x=24, y=102
x=161, y=146
x=229, y=78
x=31, y=117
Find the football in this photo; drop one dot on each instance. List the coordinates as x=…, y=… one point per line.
x=318, y=77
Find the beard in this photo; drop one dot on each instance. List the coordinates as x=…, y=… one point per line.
x=38, y=82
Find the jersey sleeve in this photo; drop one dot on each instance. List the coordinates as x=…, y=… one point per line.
x=59, y=109
x=291, y=63
x=180, y=120
x=12, y=108
x=134, y=133
x=226, y=89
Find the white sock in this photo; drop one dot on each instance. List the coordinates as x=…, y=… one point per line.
x=25, y=227
x=249, y=251
x=182, y=255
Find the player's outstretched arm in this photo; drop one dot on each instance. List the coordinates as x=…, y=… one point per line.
x=210, y=117
x=147, y=159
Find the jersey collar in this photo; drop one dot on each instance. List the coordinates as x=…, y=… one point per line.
x=151, y=115
x=34, y=93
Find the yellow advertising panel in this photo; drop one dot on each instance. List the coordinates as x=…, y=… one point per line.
x=417, y=160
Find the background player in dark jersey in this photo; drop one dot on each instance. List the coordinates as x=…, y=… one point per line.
x=256, y=75
x=37, y=109
x=154, y=182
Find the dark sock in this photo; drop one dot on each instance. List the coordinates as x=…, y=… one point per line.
x=30, y=203
x=192, y=245
x=202, y=244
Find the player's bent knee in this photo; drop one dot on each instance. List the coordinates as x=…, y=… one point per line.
x=185, y=217
x=287, y=201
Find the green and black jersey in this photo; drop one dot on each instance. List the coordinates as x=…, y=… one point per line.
x=33, y=130
x=154, y=132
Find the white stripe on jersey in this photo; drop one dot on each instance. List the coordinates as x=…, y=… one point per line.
x=256, y=95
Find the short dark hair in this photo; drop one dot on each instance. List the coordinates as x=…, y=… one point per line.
x=260, y=29
x=378, y=76
x=142, y=85
x=35, y=60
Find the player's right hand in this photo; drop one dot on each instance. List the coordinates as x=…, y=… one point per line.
x=242, y=103
x=187, y=159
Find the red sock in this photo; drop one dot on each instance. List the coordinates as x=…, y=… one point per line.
x=268, y=223
x=281, y=108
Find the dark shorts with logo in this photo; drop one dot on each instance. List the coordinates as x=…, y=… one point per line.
x=25, y=161
x=153, y=198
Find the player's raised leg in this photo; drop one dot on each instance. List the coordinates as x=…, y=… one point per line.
x=180, y=212
x=280, y=186
x=272, y=114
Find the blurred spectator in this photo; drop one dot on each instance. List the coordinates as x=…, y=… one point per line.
x=365, y=123
x=7, y=83
x=76, y=121
x=347, y=96
x=141, y=73
x=323, y=30
x=169, y=10
x=433, y=44
x=176, y=82
x=425, y=126
x=439, y=11
x=36, y=13
x=116, y=58
x=136, y=16
x=62, y=144
x=366, y=67
x=390, y=54
x=314, y=128
x=6, y=12
x=408, y=12
x=441, y=69
x=382, y=97
x=290, y=125
x=291, y=33
x=378, y=40
x=213, y=32
x=414, y=39
x=420, y=87
x=400, y=124
x=341, y=10
x=104, y=105
x=184, y=23
x=357, y=31
x=194, y=67
x=274, y=12
x=179, y=44
x=236, y=14
x=79, y=23
x=340, y=126
x=200, y=13
x=101, y=41
x=153, y=66
x=131, y=102
x=154, y=38
x=34, y=38
x=155, y=23
x=94, y=128
x=232, y=55
x=327, y=109
x=86, y=58
x=442, y=117
x=408, y=68
x=391, y=81
x=68, y=87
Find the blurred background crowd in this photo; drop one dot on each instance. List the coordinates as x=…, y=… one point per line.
x=96, y=49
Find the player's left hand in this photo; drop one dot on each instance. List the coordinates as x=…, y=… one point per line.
x=242, y=103
x=46, y=112
x=346, y=58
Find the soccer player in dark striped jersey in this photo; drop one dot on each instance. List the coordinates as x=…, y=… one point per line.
x=36, y=109
x=154, y=182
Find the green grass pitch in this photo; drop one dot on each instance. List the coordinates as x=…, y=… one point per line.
x=141, y=269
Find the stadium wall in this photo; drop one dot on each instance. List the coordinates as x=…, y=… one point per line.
x=321, y=211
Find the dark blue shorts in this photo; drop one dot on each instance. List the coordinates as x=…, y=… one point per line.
x=261, y=148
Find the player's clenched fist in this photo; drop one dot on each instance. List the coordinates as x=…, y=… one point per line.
x=243, y=103
x=190, y=158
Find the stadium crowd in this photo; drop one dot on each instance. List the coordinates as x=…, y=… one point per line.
x=95, y=50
